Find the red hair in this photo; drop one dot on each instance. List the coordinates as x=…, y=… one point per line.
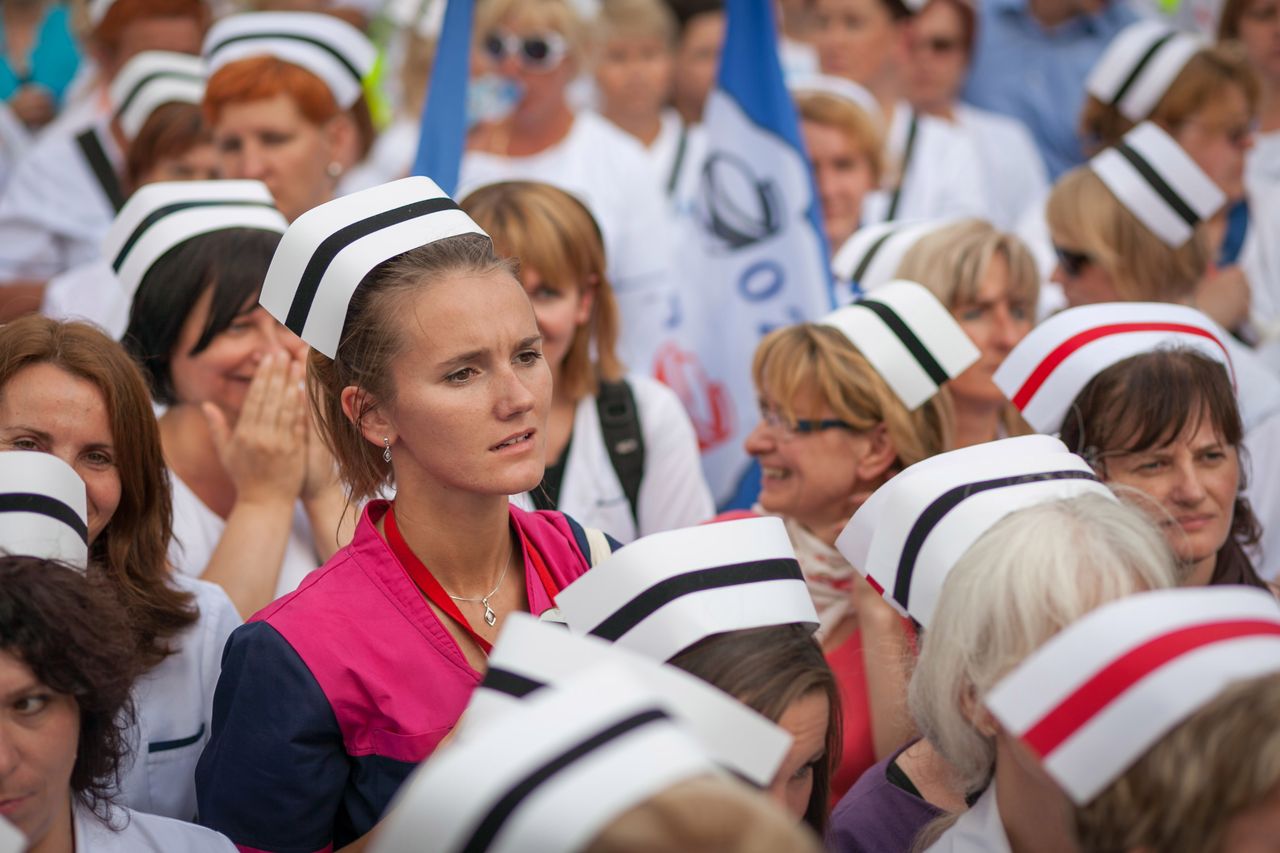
x=124, y=13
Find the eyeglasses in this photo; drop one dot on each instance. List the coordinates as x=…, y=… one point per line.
x=937, y=44
x=1072, y=262
x=540, y=52
x=789, y=429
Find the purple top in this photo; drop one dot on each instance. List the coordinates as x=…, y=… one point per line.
x=877, y=816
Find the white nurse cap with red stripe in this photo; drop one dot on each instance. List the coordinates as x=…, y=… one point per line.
x=910, y=533
x=1098, y=695
x=1049, y=368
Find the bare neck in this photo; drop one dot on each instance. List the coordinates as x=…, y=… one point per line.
x=643, y=126
x=61, y=837
x=976, y=422
x=1051, y=13
x=536, y=129
x=1269, y=107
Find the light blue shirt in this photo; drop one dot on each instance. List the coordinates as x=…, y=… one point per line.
x=1036, y=75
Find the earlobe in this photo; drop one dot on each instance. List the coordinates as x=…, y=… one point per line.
x=343, y=139
x=363, y=411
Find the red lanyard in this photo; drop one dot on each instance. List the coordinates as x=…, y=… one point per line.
x=435, y=593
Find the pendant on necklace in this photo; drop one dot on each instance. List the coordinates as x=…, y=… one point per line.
x=490, y=618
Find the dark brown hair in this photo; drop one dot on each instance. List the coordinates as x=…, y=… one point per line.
x=169, y=132
x=1148, y=401
x=767, y=669
x=132, y=548
x=73, y=634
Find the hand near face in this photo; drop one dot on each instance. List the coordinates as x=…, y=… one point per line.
x=1224, y=296
x=265, y=454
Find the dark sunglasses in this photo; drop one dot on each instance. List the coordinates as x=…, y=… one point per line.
x=1072, y=262
x=536, y=52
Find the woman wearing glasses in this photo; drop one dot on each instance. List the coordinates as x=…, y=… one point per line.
x=530, y=52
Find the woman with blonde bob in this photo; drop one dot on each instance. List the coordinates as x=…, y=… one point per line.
x=621, y=453
x=845, y=151
x=989, y=282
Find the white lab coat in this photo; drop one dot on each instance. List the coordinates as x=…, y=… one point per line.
x=135, y=832
x=198, y=529
x=610, y=171
x=14, y=142
x=53, y=211
x=977, y=830
x=88, y=292
x=174, y=704
x=673, y=492
x=1013, y=173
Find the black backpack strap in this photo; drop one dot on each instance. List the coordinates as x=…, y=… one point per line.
x=96, y=156
x=620, y=425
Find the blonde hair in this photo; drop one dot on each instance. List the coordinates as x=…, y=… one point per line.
x=1182, y=794
x=705, y=814
x=1033, y=573
x=810, y=359
x=1200, y=82
x=557, y=15
x=859, y=129
x=1085, y=216
x=546, y=229
x=635, y=19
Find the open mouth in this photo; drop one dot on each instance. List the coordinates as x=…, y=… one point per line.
x=521, y=438
x=774, y=473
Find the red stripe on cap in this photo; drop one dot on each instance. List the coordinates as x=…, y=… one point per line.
x=1078, y=709
x=1070, y=345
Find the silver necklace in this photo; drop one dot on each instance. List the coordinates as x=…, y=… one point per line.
x=490, y=618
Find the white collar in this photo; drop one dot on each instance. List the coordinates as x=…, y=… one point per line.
x=979, y=830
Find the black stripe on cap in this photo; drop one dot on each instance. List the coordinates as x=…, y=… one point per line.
x=914, y=345
x=177, y=207
x=936, y=511
x=309, y=283
x=488, y=829
x=663, y=593
x=46, y=506
x=1137, y=70
x=870, y=255
x=508, y=682
x=323, y=45
x=153, y=76
x=1158, y=183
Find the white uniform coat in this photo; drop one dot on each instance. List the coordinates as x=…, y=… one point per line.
x=14, y=142
x=198, y=529
x=1013, y=174
x=53, y=211
x=673, y=492
x=135, y=832
x=88, y=292
x=175, y=710
x=978, y=830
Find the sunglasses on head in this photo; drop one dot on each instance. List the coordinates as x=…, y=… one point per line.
x=1071, y=261
x=538, y=52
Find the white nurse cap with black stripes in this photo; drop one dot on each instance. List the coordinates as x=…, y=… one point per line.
x=161, y=216
x=1139, y=65
x=327, y=46
x=840, y=88
x=1159, y=183
x=1102, y=692
x=531, y=655
x=550, y=776
x=43, y=509
x=909, y=337
x=871, y=257
x=151, y=79
x=663, y=593
x=328, y=251
x=910, y=533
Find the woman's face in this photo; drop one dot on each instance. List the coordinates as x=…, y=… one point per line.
x=1255, y=830
x=46, y=409
x=272, y=141
x=995, y=320
x=560, y=308
x=843, y=175
x=472, y=389
x=937, y=62
x=806, y=720
x=1260, y=34
x=221, y=372
x=1195, y=480
x=39, y=733
x=856, y=39
x=542, y=80
x=1218, y=136
x=634, y=74
x=1084, y=281
x=200, y=163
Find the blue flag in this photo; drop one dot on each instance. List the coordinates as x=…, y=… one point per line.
x=444, y=116
x=754, y=256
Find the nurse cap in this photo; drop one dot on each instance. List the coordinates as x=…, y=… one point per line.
x=152, y=79
x=531, y=655
x=43, y=509
x=912, y=531
x=98, y=10
x=664, y=592
x=840, y=88
x=870, y=258
x=1139, y=65
x=910, y=339
x=328, y=251
x=11, y=839
x=161, y=216
x=1047, y=370
x=328, y=47
x=1099, y=694
x=548, y=776
x=1159, y=183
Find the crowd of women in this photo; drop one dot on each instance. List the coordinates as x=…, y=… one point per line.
x=341, y=513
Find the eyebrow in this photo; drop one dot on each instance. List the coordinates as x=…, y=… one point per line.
x=24, y=428
x=473, y=355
